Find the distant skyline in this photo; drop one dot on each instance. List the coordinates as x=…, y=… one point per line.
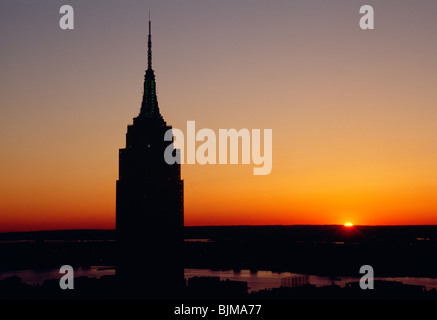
x=353, y=112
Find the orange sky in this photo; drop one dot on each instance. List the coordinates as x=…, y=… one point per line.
x=353, y=112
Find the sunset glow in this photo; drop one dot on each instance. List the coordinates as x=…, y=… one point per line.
x=352, y=112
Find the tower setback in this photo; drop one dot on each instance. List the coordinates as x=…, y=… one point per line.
x=149, y=205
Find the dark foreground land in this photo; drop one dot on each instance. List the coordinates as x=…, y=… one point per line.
x=322, y=250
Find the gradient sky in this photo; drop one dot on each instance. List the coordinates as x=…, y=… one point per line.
x=353, y=112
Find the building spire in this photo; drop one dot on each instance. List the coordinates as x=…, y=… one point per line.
x=149, y=52
x=149, y=106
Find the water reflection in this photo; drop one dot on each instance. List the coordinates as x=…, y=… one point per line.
x=256, y=279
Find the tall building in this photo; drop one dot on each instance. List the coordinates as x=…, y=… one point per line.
x=149, y=205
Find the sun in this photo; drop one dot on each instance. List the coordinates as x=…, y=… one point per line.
x=348, y=224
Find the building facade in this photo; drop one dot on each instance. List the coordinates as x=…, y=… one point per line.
x=149, y=205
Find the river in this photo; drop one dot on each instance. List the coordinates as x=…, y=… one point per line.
x=256, y=280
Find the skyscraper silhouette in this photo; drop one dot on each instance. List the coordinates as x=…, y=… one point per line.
x=149, y=205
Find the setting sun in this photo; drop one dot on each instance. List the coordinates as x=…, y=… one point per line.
x=348, y=224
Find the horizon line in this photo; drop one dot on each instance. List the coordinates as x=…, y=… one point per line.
x=239, y=225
